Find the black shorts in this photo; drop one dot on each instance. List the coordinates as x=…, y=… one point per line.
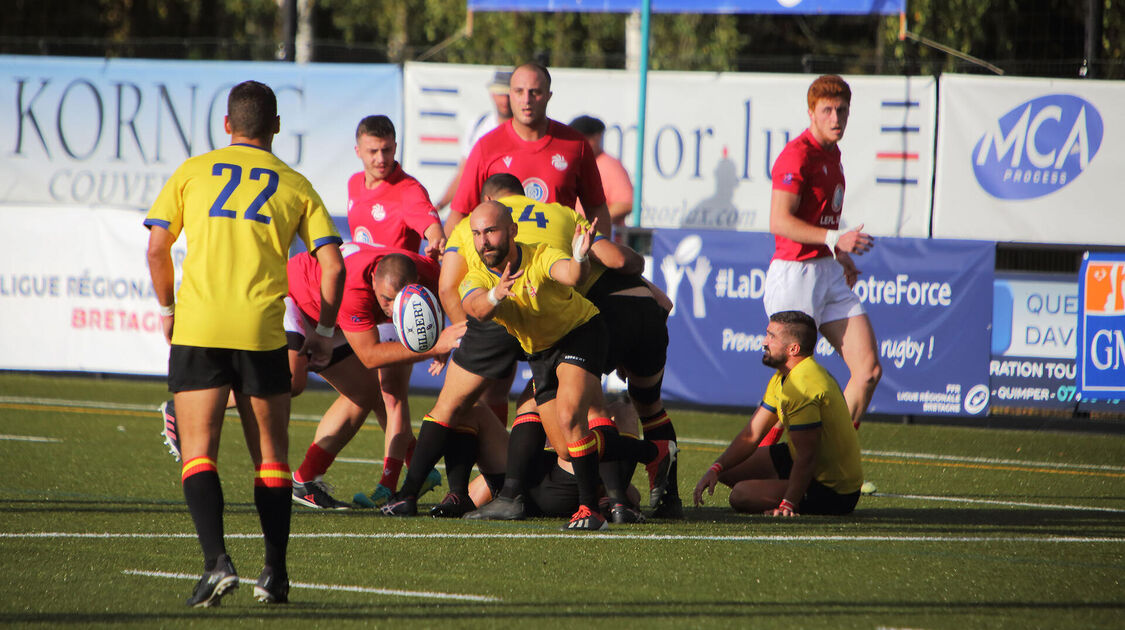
x=254, y=373
x=584, y=346
x=819, y=498
x=551, y=491
x=638, y=333
x=296, y=341
x=488, y=350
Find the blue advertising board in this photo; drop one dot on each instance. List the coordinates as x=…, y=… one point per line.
x=1034, y=337
x=1101, y=327
x=875, y=7
x=930, y=303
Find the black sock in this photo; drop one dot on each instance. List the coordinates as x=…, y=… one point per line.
x=204, y=496
x=275, y=509
x=665, y=431
x=617, y=446
x=432, y=440
x=495, y=481
x=460, y=455
x=586, y=470
x=525, y=442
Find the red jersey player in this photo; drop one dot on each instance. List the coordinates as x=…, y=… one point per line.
x=553, y=161
x=365, y=348
x=811, y=270
x=387, y=207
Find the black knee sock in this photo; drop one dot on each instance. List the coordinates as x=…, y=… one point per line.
x=616, y=446
x=586, y=470
x=432, y=440
x=204, y=496
x=659, y=427
x=525, y=442
x=460, y=455
x=275, y=508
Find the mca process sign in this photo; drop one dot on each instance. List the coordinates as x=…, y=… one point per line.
x=1101, y=326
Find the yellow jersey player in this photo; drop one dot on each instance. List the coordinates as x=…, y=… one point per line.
x=818, y=470
x=530, y=291
x=240, y=208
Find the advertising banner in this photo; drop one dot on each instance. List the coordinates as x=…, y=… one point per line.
x=1034, y=160
x=929, y=303
x=109, y=132
x=1101, y=326
x=884, y=7
x=92, y=309
x=711, y=139
x=1034, y=338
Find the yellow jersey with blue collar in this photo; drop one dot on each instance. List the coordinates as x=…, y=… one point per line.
x=240, y=208
x=809, y=398
x=536, y=222
x=540, y=310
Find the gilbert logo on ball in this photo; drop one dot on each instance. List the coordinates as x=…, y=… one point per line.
x=417, y=317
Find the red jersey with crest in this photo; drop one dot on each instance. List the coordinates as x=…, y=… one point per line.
x=814, y=174
x=359, y=309
x=558, y=168
x=393, y=214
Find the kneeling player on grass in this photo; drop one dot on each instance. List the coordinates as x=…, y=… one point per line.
x=818, y=470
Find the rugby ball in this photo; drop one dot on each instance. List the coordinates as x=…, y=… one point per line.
x=417, y=317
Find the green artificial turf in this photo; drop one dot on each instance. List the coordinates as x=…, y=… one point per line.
x=970, y=528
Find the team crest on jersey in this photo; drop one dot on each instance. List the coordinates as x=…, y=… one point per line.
x=559, y=162
x=838, y=198
x=787, y=178
x=507, y=161
x=377, y=212
x=531, y=290
x=535, y=188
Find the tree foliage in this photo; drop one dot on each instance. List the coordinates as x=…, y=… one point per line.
x=1044, y=37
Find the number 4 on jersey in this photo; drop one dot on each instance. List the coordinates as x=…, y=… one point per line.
x=539, y=218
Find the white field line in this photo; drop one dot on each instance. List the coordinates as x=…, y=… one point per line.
x=624, y=537
x=1044, y=506
x=334, y=587
x=703, y=442
x=28, y=438
x=950, y=458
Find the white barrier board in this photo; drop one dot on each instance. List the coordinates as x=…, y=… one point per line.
x=711, y=139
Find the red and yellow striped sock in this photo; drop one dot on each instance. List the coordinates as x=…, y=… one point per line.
x=272, y=475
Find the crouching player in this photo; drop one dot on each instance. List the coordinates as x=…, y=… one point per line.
x=364, y=343
x=818, y=470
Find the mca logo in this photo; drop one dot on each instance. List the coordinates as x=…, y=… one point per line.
x=377, y=212
x=535, y=188
x=361, y=235
x=838, y=198
x=678, y=265
x=1038, y=147
x=1105, y=288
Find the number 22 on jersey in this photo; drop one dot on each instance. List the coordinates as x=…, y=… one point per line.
x=234, y=179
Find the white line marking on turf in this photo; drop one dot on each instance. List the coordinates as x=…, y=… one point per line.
x=334, y=587
x=625, y=537
x=989, y=460
x=700, y=441
x=949, y=458
x=1046, y=506
x=28, y=438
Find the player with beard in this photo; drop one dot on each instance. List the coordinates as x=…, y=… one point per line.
x=529, y=290
x=818, y=470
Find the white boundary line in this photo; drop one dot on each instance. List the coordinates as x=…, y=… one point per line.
x=622, y=537
x=335, y=587
x=700, y=441
x=28, y=438
x=949, y=458
x=1046, y=506
x=988, y=460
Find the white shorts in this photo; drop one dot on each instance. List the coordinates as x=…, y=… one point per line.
x=816, y=287
x=297, y=323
